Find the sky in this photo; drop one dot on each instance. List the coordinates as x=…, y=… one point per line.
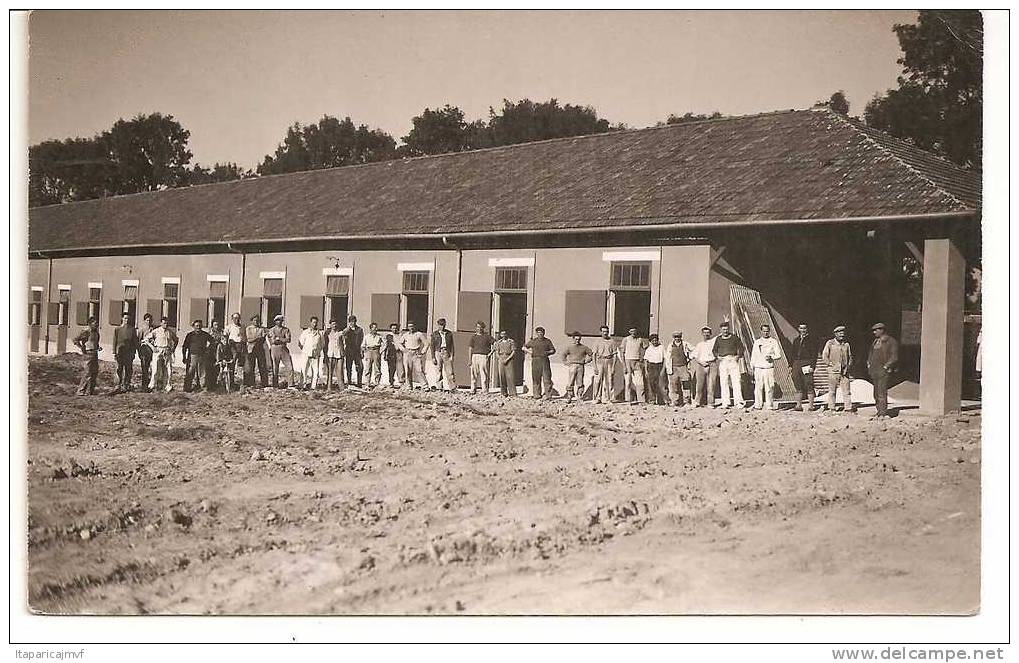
x=237, y=80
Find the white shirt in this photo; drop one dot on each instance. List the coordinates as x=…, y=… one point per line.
x=160, y=338
x=235, y=332
x=413, y=342
x=310, y=341
x=655, y=354
x=372, y=341
x=704, y=352
x=765, y=352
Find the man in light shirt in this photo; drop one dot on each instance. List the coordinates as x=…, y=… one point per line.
x=334, y=356
x=605, y=350
x=763, y=355
x=631, y=353
x=728, y=348
x=255, y=354
x=163, y=342
x=505, y=349
x=677, y=360
x=705, y=369
x=310, y=343
x=278, y=338
x=234, y=333
x=414, y=346
x=838, y=355
x=442, y=355
x=576, y=356
x=372, y=347
x=654, y=360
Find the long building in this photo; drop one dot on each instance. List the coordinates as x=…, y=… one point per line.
x=665, y=228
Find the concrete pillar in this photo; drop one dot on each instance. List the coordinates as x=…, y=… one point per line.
x=944, y=276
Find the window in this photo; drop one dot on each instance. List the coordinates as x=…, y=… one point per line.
x=415, y=295
x=631, y=297
x=64, y=307
x=170, y=303
x=35, y=308
x=337, y=299
x=131, y=302
x=217, y=302
x=272, y=299
x=95, y=297
x=511, y=279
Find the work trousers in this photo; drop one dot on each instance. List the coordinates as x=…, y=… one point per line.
x=163, y=372
x=395, y=368
x=253, y=359
x=839, y=382
x=311, y=370
x=281, y=364
x=575, y=381
x=125, y=367
x=656, y=391
x=145, y=357
x=507, y=378
x=334, y=367
x=879, y=378
x=240, y=352
x=541, y=377
x=764, y=388
x=90, y=373
x=635, y=381
x=479, y=373
x=444, y=362
x=730, y=378
x=350, y=364
x=414, y=367
x=803, y=382
x=679, y=386
x=373, y=366
x=197, y=372
x=603, y=374
x=705, y=379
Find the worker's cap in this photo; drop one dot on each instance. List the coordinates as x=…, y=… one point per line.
x=705, y=328
x=575, y=334
x=879, y=325
x=839, y=328
x=677, y=334
x=653, y=337
x=277, y=318
x=441, y=321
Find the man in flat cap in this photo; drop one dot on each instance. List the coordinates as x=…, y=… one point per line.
x=281, y=365
x=881, y=363
x=839, y=356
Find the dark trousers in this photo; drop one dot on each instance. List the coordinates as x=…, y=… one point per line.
x=541, y=376
x=879, y=378
x=394, y=366
x=240, y=359
x=125, y=367
x=349, y=363
x=145, y=356
x=657, y=393
x=507, y=378
x=197, y=372
x=331, y=364
x=804, y=383
x=90, y=373
x=252, y=359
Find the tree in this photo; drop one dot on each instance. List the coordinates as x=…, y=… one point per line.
x=68, y=170
x=221, y=172
x=939, y=102
x=327, y=144
x=690, y=117
x=837, y=102
x=443, y=130
x=526, y=121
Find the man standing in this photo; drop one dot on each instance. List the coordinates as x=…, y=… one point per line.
x=505, y=348
x=705, y=369
x=310, y=343
x=654, y=360
x=414, y=346
x=605, y=350
x=353, y=346
x=728, y=348
x=278, y=338
x=803, y=360
x=839, y=356
x=393, y=356
x=125, y=343
x=254, y=337
x=334, y=356
x=677, y=361
x=211, y=374
x=763, y=355
x=145, y=350
x=881, y=363
x=226, y=360
x=372, y=348
x=631, y=353
x=164, y=342
x=196, y=350
x=576, y=356
x=88, y=342
x=234, y=335
x=442, y=354
x=540, y=349
x=480, y=349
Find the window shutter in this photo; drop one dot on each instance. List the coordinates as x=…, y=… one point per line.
x=585, y=311
x=311, y=305
x=338, y=285
x=81, y=313
x=154, y=307
x=115, y=311
x=250, y=306
x=472, y=308
x=52, y=313
x=385, y=309
x=217, y=289
x=30, y=307
x=199, y=311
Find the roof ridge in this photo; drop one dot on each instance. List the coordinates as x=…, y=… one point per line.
x=884, y=150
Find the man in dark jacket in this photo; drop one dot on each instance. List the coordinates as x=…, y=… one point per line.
x=353, y=339
x=881, y=363
x=802, y=362
x=442, y=354
x=197, y=350
x=125, y=343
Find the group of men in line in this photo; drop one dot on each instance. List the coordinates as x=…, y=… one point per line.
x=676, y=374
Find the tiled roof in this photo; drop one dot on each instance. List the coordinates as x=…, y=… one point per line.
x=788, y=165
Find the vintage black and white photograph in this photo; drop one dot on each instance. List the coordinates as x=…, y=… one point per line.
x=474, y=312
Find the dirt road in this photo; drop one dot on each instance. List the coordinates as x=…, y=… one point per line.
x=293, y=503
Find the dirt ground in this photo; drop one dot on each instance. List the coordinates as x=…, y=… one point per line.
x=427, y=503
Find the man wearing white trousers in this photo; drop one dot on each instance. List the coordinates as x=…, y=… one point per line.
x=729, y=349
x=765, y=352
x=311, y=342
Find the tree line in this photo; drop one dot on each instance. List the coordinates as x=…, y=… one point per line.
x=937, y=106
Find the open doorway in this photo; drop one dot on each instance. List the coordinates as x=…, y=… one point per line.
x=513, y=318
